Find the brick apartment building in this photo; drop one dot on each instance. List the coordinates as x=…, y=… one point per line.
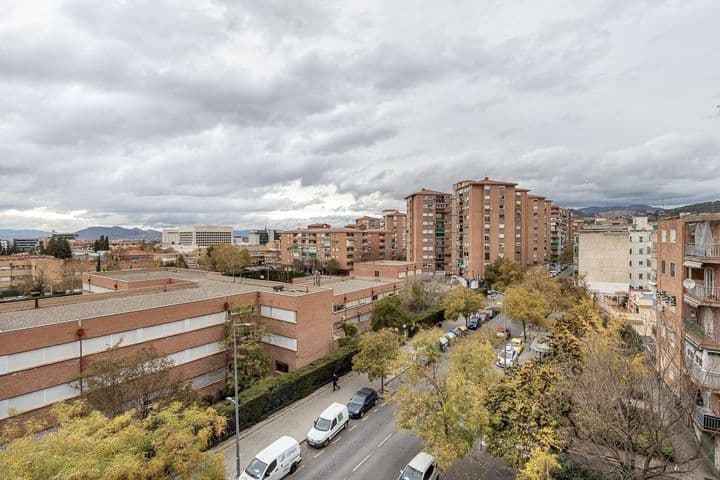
x=688, y=312
x=319, y=243
x=45, y=345
x=21, y=268
x=371, y=223
x=395, y=223
x=428, y=230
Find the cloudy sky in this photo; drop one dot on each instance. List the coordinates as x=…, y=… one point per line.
x=267, y=112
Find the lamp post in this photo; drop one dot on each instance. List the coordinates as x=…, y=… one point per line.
x=235, y=401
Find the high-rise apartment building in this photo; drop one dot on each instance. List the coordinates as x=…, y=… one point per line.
x=197, y=236
x=428, y=230
x=319, y=243
x=484, y=216
x=535, y=232
x=396, y=225
x=688, y=312
x=373, y=223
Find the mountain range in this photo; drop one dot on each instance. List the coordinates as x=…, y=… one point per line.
x=91, y=233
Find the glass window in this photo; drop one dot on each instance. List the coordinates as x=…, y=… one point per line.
x=322, y=424
x=662, y=266
x=256, y=468
x=672, y=269
x=410, y=474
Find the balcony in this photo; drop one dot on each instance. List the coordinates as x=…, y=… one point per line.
x=706, y=419
x=699, y=336
x=708, y=253
x=704, y=295
x=709, y=380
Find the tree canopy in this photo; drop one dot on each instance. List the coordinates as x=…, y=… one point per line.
x=227, y=259
x=58, y=247
x=503, y=273
x=377, y=354
x=529, y=307
x=169, y=444
x=389, y=313
x=252, y=361
x=332, y=266
x=462, y=301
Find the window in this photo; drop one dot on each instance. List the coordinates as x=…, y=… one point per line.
x=631, y=263
x=673, y=235
x=271, y=467
x=662, y=266
x=377, y=273
x=641, y=251
x=672, y=269
x=631, y=251
x=281, y=367
x=663, y=236
x=641, y=276
x=428, y=475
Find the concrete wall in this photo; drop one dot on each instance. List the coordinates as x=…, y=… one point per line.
x=603, y=256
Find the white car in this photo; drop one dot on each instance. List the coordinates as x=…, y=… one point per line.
x=327, y=425
x=278, y=459
x=422, y=467
x=507, y=357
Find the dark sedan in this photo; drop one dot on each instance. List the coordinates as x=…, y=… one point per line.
x=361, y=402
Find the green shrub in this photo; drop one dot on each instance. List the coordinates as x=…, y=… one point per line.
x=273, y=393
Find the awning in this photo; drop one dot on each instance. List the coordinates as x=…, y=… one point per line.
x=690, y=301
x=692, y=264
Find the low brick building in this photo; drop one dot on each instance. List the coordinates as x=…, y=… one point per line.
x=46, y=343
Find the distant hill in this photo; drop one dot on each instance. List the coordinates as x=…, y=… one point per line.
x=594, y=210
x=704, y=207
x=119, y=233
x=10, y=234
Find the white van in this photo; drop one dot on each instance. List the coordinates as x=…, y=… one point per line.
x=275, y=461
x=327, y=425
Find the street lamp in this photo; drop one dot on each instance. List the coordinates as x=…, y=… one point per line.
x=235, y=401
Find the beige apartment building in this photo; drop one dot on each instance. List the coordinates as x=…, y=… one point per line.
x=603, y=257
x=197, y=236
x=319, y=243
x=428, y=231
x=396, y=226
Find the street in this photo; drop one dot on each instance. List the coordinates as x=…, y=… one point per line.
x=371, y=447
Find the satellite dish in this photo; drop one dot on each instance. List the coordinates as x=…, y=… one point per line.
x=689, y=283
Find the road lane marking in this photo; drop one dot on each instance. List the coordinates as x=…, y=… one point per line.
x=385, y=440
x=320, y=453
x=336, y=440
x=364, y=418
x=375, y=410
x=353, y=427
x=301, y=467
x=361, y=462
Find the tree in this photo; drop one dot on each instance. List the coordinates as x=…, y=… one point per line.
x=529, y=307
x=540, y=466
x=462, y=301
x=538, y=279
x=63, y=249
x=568, y=331
x=122, y=379
x=529, y=409
x=228, y=258
x=567, y=255
x=624, y=416
x=389, y=313
x=332, y=266
x=171, y=443
x=445, y=407
x=418, y=296
x=252, y=361
x=377, y=354
x=181, y=262
x=298, y=265
x=503, y=273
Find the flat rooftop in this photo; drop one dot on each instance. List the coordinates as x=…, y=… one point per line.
x=354, y=284
x=207, y=287
x=396, y=263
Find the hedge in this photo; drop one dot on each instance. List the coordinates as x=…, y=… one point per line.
x=430, y=318
x=273, y=393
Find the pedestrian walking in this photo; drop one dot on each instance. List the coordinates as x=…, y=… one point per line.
x=335, y=382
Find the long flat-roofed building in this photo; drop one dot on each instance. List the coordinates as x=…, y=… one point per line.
x=45, y=343
x=197, y=236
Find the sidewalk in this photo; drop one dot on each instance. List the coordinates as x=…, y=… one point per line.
x=294, y=420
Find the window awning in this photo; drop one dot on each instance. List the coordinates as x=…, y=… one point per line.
x=692, y=264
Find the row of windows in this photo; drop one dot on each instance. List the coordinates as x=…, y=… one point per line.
x=672, y=268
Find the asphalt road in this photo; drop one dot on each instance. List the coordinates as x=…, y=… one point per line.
x=374, y=448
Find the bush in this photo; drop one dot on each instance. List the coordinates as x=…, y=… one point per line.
x=430, y=318
x=569, y=470
x=273, y=393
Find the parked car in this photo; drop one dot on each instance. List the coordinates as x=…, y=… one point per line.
x=474, y=322
x=421, y=467
x=327, y=425
x=503, y=332
x=275, y=461
x=484, y=317
x=507, y=358
x=463, y=329
x=518, y=344
x=365, y=399
x=450, y=336
x=491, y=312
x=457, y=331
x=443, y=343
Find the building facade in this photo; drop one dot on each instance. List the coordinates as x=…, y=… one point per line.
x=319, y=243
x=372, y=223
x=18, y=269
x=396, y=225
x=197, y=236
x=45, y=345
x=640, y=253
x=688, y=304
x=603, y=257
x=428, y=231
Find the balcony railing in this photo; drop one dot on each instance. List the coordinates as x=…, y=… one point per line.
x=705, y=251
x=699, y=334
x=705, y=294
x=706, y=419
